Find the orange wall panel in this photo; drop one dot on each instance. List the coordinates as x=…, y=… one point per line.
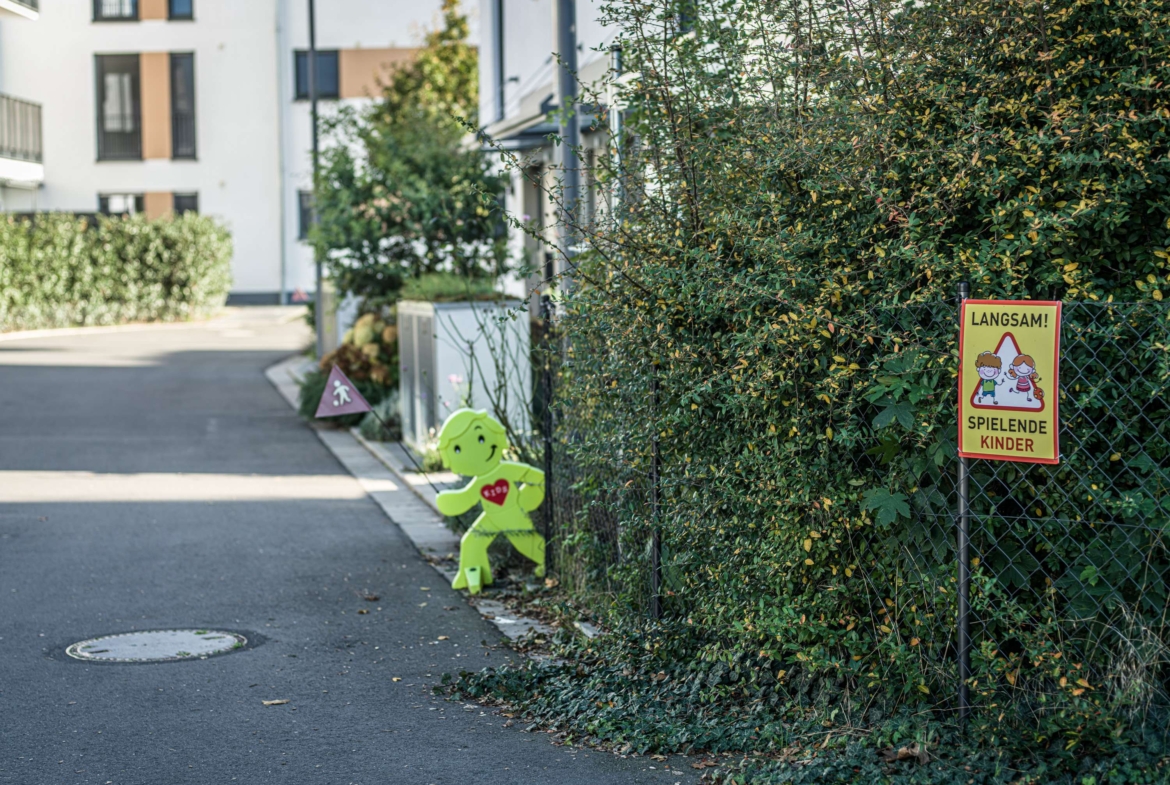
x=156, y=105
x=158, y=204
x=361, y=69
x=152, y=9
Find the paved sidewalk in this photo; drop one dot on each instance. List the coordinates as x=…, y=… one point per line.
x=153, y=479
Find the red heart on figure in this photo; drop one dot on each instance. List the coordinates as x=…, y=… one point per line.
x=496, y=493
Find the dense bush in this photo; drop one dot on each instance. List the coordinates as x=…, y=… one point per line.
x=808, y=182
x=58, y=271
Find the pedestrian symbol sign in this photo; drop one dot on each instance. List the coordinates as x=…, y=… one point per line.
x=1009, y=357
x=340, y=397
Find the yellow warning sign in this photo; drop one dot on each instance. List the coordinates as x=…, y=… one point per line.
x=1009, y=371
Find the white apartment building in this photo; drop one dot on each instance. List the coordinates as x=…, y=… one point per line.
x=518, y=73
x=21, y=164
x=164, y=106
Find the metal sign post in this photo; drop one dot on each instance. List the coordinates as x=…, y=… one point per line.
x=964, y=568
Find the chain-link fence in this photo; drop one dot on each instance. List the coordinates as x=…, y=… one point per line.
x=1069, y=563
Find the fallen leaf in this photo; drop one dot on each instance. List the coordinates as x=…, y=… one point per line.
x=424, y=588
x=704, y=764
x=371, y=597
x=422, y=605
x=444, y=638
x=395, y=678
x=913, y=752
x=364, y=610
x=274, y=703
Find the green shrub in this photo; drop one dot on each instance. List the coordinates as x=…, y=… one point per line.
x=387, y=425
x=57, y=271
x=448, y=288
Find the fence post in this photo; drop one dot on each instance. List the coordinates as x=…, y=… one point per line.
x=546, y=382
x=964, y=567
x=655, y=534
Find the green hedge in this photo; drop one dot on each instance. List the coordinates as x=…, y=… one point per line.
x=60, y=270
x=767, y=338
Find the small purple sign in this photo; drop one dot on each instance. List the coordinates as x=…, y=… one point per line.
x=341, y=397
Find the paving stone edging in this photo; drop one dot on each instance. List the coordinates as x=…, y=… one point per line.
x=406, y=497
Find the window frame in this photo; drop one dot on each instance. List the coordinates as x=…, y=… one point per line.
x=303, y=54
x=192, y=195
x=100, y=72
x=139, y=203
x=173, y=59
x=173, y=17
x=99, y=17
x=304, y=214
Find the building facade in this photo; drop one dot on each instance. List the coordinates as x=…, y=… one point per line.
x=164, y=106
x=21, y=165
x=518, y=106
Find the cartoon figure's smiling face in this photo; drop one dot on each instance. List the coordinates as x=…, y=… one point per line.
x=1023, y=369
x=987, y=372
x=472, y=443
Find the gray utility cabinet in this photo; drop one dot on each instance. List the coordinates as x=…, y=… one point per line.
x=455, y=354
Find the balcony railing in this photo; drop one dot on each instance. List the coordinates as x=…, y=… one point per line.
x=20, y=127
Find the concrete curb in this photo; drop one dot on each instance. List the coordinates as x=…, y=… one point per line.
x=400, y=495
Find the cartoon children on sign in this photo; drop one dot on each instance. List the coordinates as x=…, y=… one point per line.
x=1023, y=370
x=989, y=367
x=1009, y=366
x=472, y=443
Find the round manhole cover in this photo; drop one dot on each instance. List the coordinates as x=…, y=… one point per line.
x=156, y=646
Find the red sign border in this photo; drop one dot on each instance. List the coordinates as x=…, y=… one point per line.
x=1043, y=401
x=1055, y=382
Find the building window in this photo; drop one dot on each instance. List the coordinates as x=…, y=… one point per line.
x=121, y=204
x=186, y=203
x=181, y=9
x=305, y=213
x=182, y=106
x=118, y=108
x=115, y=10
x=328, y=75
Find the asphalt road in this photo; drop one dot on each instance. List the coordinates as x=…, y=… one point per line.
x=153, y=479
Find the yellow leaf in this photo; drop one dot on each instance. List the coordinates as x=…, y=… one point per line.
x=852, y=624
x=1158, y=295
x=848, y=572
x=885, y=629
x=1084, y=683
x=808, y=562
x=1115, y=456
x=914, y=641
x=808, y=545
x=694, y=406
x=838, y=358
x=829, y=433
x=924, y=689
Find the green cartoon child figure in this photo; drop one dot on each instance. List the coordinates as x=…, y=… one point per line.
x=472, y=443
